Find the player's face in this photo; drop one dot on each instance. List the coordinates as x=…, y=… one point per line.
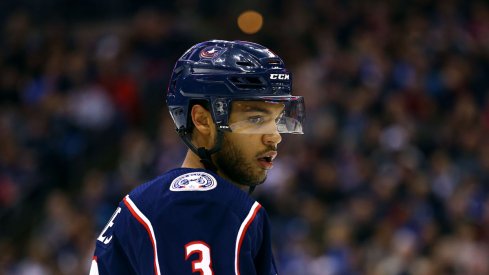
x=246, y=158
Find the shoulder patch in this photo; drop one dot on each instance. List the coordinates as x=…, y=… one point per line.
x=195, y=181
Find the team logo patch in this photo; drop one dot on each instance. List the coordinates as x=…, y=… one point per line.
x=196, y=181
x=210, y=52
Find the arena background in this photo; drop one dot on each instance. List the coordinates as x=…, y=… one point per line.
x=390, y=178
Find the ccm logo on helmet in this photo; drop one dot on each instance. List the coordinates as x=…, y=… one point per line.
x=280, y=76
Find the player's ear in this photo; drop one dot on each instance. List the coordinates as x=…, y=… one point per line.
x=202, y=120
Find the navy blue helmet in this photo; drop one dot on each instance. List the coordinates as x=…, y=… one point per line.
x=220, y=72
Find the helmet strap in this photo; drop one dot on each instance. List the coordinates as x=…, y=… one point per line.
x=203, y=153
x=206, y=160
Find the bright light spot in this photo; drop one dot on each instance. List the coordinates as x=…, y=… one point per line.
x=250, y=22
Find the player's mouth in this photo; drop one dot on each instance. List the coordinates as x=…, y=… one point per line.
x=266, y=160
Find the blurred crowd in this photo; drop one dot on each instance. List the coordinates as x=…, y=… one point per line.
x=391, y=177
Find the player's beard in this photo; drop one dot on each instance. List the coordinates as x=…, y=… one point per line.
x=231, y=162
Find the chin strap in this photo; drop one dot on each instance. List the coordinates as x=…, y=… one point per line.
x=203, y=153
x=206, y=159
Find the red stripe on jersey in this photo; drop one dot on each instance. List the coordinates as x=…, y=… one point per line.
x=248, y=220
x=147, y=227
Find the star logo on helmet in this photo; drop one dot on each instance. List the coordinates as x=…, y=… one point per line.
x=210, y=52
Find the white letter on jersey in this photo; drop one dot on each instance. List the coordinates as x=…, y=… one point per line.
x=107, y=239
x=203, y=264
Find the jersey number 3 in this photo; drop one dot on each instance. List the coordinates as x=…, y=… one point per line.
x=204, y=263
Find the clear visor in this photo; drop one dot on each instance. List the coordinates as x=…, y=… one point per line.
x=267, y=117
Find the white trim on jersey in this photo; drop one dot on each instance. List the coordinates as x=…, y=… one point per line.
x=94, y=267
x=147, y=225
x=241, y=233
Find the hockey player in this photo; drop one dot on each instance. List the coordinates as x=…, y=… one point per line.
x=230, y=102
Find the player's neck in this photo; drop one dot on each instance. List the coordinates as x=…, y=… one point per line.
x=192, y=161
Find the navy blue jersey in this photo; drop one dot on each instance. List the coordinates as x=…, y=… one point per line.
x=187, y=221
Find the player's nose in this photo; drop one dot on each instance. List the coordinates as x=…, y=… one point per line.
x=272, y=139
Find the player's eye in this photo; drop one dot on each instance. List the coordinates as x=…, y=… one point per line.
x=256, y=120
